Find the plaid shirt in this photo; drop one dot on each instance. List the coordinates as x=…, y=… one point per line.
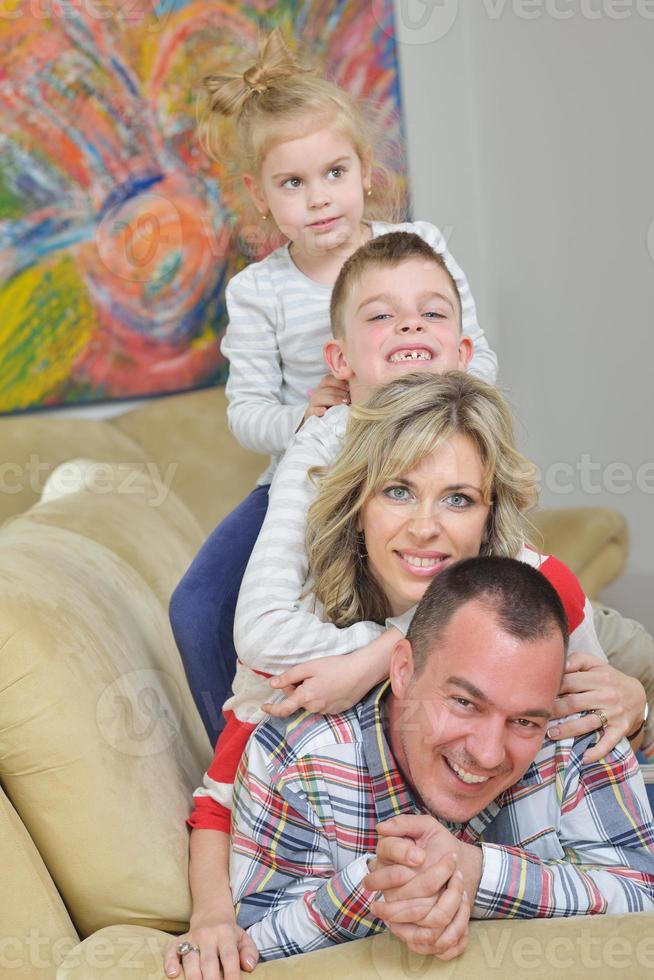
x=567, y=839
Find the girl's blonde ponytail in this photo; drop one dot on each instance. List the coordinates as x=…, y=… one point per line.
x=230, y=93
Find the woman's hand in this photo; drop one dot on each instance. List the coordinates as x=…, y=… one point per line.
x=590, y=683
x=225, y=950
x=325, y=686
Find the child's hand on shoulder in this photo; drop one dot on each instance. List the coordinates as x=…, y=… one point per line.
x=331, y=391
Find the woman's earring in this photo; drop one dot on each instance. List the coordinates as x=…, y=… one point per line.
x=264, y=217
x=361, y=546
x=369, y=192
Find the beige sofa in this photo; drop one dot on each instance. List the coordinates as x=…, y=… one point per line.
x=100, y=743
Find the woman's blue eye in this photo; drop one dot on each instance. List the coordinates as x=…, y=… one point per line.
x=434, y=314
x=336, y=172
x=292, y=182
x=459, y=500
x=397, y=493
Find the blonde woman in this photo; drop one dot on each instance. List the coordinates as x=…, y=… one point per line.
x=428, y=475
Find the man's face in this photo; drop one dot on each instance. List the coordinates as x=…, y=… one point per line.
x=398, y=320
x=471, y=723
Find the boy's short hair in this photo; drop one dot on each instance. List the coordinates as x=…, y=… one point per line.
x=385, y=250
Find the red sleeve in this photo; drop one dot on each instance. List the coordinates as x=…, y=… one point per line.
x=209, y=814
x=570, y=591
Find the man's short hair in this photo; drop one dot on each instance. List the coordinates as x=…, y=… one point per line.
x=385, y=250
x=524, y=603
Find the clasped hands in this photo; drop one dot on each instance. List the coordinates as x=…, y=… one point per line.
x=428, y=881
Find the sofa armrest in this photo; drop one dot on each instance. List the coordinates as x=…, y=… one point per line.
x=537, y=949
x=592, y=541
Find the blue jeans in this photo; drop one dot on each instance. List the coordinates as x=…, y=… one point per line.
x=203, y=604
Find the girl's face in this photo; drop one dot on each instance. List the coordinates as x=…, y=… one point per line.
x=424, y=520
x=314, y=188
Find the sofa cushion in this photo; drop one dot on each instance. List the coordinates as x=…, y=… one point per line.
x=117, y=953
x=115, y=499
x=33, y=445
x=210, y=471
x=592, y=541
x=36, y=932
x=101, y=745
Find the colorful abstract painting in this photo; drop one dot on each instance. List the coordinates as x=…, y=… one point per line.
x=117, y=233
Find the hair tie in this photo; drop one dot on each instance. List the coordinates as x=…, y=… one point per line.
x=255, y=79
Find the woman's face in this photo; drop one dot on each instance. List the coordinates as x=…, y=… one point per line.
x=424, y=520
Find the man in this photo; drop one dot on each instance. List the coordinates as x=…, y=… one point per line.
x=451, y=749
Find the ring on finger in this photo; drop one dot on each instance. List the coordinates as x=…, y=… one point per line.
x=186, y=947
x=602, y=717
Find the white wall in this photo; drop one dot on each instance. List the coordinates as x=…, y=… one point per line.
x=533, y=139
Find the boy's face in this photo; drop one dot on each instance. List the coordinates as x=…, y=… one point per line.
x=398, y=320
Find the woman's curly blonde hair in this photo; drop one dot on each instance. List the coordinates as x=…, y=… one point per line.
x=243, y=114
x=388, y=436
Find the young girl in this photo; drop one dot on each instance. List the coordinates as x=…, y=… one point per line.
x=307, y=167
